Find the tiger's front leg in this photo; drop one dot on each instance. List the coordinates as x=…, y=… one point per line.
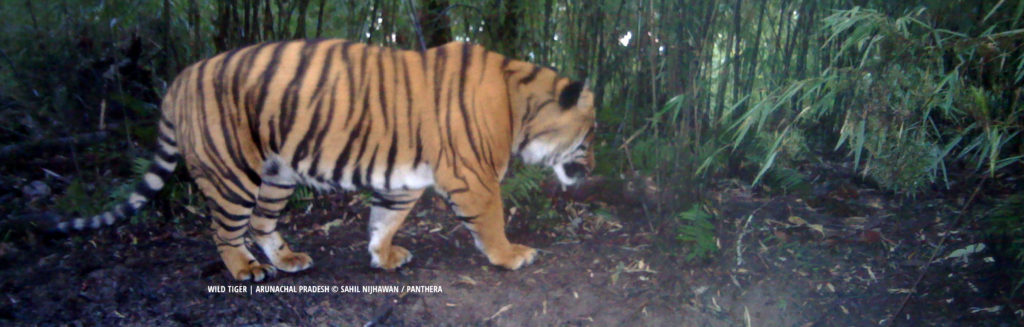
x=482, y=213
x=387, y=213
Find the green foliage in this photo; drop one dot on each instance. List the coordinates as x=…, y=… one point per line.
x=716, y=144
x=303, y=197
x=696, y=228
x=892, y=103
x=1006, y=221
x=522, y=190
x=78, y=198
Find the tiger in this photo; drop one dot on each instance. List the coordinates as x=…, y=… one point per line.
x=251, y=124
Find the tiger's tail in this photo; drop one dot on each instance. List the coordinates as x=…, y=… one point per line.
x=164, y=161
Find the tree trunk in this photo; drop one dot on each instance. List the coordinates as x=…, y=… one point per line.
x=300, y=28
x=502, y=28
x=320, y=19
x=436, y=26
x=753, y=60
x=197, y=41
x=737, y=58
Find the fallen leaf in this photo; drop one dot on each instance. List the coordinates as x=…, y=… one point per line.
x=503, y=309
x=818, y=228
x=855, y=222
x=463, y=279
x=327, y=227
x=966, y=251
x=797, y=221
x=993, y=309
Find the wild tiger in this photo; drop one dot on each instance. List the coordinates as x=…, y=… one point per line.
x=254, y=122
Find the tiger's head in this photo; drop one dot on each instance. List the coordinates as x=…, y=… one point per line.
x=559, y=133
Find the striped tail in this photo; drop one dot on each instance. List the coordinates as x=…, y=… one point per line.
x=164, y=162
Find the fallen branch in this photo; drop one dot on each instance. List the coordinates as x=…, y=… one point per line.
x=935, y=253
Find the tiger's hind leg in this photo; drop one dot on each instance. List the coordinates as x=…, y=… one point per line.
x=270, y=201
x=230, y=222
x=387, y=213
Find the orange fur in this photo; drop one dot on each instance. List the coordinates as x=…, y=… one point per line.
x=254, y=122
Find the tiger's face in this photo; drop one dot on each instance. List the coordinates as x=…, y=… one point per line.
x=562, y=133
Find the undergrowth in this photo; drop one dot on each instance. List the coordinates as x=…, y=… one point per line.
x=697, y=230
x=522, y=193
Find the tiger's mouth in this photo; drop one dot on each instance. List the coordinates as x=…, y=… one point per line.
x=571, y=172
x=570, y=167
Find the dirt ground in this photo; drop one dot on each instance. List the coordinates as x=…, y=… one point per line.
x=842, y=254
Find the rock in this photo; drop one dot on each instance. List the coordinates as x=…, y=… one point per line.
x=36, y=190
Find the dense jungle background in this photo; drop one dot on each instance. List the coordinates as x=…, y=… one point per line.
x=761, y=163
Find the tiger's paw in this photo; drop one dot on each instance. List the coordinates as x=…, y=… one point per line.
x=390, y=259
x=293, y=262
x=516, y=257
x=256, y=272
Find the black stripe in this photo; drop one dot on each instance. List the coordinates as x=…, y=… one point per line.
x=234, y=238
x=302, y=149
x=290, y=100
x=370, y=167
x=408, y=92
x=392, y=152
x=164, y=174
x=228, y=228
x=281, y=186
x=167, y=139
x=168, y=158
x=319, y=138
x=439, y=61
x=217, y=208
x=223, y=190
x=228, y=116
x=467, y=56
x=264, y=90
x=364, y=86
x=529, y=78
x=466, y=219
x=419, y=147
x=386, y=202
x=215, y=160
x=380, y=84
x=246, y=66
x=262, y=233
x=342, y=161
x=357, y=178
x=522, y=145
x=264, y=199
x=164, y=120
x=266, y=213
x=123, y=210
x=237, y=199
x=145, y=191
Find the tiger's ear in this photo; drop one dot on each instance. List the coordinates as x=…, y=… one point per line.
x=570, y=95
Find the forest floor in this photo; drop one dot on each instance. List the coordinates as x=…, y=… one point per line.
x=843, y=254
